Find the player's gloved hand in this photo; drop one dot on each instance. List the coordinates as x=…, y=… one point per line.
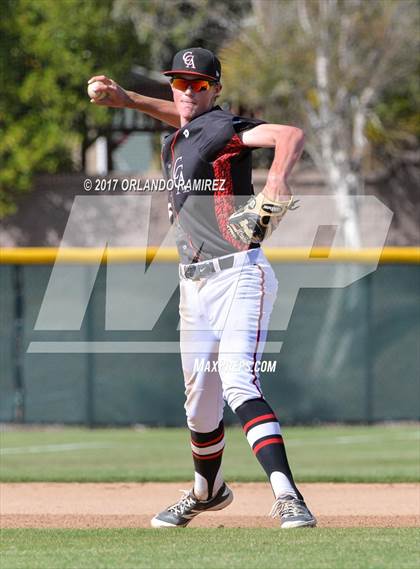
x=258, y=218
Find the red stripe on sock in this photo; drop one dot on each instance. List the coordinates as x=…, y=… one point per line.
x=248, y=425
x=208, y=456
x=263, y=444
x=209, y=443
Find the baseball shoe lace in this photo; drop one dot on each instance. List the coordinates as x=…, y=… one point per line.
x=282, y=508
x=288, y=506
x=185, y=503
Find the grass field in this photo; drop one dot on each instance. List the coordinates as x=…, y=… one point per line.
x=318, y=454
x=211, y=549
x=383, y=453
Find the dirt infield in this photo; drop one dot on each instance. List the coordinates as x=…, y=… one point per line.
x=58, y=505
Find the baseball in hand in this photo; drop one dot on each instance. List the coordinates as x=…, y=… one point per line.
x=93, y=91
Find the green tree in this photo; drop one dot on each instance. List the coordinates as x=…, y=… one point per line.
x=344, y=71
x=341, y=69
x=169, y=25
x=394, y=123
x=48, y=50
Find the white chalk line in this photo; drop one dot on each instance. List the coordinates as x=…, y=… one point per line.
x=64, y=447
x=340, y=440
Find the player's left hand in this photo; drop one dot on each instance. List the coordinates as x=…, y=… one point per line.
x=258, y=218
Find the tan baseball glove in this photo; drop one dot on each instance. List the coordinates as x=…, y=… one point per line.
x=258, y=218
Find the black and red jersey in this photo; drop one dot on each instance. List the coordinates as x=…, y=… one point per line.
x=208, y=171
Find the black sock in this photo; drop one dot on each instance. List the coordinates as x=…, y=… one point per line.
x=262, y=430
x=207, y=451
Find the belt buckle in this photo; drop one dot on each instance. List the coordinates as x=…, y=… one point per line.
x=189, y=272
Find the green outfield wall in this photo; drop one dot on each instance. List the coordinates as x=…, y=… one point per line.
x=348, y=354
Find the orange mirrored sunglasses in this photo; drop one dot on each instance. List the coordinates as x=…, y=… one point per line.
x=197, y=85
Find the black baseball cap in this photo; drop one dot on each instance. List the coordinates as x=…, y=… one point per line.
x=196, y=61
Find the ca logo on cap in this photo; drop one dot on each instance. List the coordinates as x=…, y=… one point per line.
x=188, y=59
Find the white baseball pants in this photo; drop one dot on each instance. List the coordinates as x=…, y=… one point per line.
x=224, y=321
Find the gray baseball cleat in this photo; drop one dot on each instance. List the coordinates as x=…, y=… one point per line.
x=292, y=512
x=182, y=512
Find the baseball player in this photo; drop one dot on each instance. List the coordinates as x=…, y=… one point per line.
x=227, y=286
